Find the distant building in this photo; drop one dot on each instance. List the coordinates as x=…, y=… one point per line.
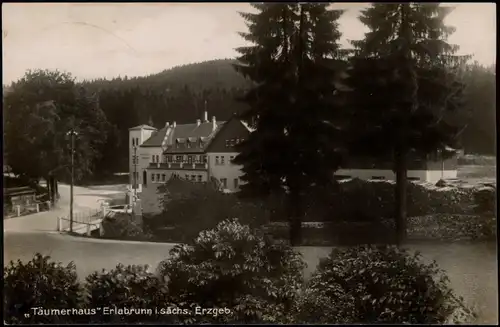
x=204, y=151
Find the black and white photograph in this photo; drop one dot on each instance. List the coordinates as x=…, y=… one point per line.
x=249, y=163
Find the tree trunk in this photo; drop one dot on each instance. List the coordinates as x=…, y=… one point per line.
x=56, y=189
x=400, y=195
x=52, y=189
x=295, y=218
x=47, y=182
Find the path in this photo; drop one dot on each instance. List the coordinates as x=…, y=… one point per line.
x=85, y=199
x=471, y=267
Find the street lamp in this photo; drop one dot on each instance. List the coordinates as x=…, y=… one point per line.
x=72, y=133
x=135, y=174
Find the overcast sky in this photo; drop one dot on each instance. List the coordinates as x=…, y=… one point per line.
x=106, y=40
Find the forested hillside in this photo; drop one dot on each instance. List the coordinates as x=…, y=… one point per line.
x=182, y=93
x=179, y=94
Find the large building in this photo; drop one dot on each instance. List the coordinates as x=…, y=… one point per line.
x=197, y=152
x=204, y=150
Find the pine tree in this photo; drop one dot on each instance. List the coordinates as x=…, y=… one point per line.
x=292, y=64
x=405, y=88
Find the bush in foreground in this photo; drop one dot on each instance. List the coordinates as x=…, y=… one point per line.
x=132, y=287
x=385, y=285
x=40, y=283
x=236, y=267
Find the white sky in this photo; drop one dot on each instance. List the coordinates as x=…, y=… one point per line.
x=110, y=39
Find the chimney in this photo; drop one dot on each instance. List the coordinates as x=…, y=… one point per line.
x=167, y=124
x=214, y=124
x=198, y=122
x=174, y=124
x=205, y=118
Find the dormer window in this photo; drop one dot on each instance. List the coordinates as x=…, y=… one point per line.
x=188, y=145
x=227, y=143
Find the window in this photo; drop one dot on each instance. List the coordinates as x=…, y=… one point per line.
x=169, y=158
x=224, y=182
x=188, y=145
x=237, y=141
x=199, y=178
x=231, y=158
x=144, y=178
x=157, y=158
x=190, y=159
x=133, y=142
x=193, y=177
x=153, y=158
x=178, y=158
x=217, y=160
x=236, y=183
x=136, y=141
x=152, y=177
x=163, y=177
x=222, y=160
x=204, y=159
x=227, y=143
x=157, y=177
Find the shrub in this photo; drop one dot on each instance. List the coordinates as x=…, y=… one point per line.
x=485, y=199
x=378, y=200
x=387, y=285
x=327, y=305
x=123, y=226
x=452, y=227
x=131, y=287
x=194, y=207
x=40, y=283
x=236, y=267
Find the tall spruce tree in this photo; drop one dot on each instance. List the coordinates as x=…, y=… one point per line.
x=405, y=89
x=293, y=63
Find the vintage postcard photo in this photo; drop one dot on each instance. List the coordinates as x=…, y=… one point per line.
x=249, y=163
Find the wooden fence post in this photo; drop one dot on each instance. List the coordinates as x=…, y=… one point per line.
x=59, y=224
x=38, y=207
x=48, y=205
x=18, y=210
x=88, y=229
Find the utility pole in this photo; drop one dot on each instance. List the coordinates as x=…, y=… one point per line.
x=72, y=134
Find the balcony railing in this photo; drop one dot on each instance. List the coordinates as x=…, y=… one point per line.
x=178, y=165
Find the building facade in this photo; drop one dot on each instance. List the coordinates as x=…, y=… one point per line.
x=204, y=151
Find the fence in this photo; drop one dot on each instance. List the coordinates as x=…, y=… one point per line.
x=79, y=218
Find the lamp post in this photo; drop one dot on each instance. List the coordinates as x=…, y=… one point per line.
x=72, y=133
x=135, y=173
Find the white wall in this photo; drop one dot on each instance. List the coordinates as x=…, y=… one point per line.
x=431, y=176
x=142, y=135
x=434, y=176
x=145, y=158
x=227, y=170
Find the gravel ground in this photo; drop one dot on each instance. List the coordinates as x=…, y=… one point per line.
x=472, y=268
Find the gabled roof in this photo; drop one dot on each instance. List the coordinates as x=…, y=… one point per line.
x=146, y=127
x=199, y=137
